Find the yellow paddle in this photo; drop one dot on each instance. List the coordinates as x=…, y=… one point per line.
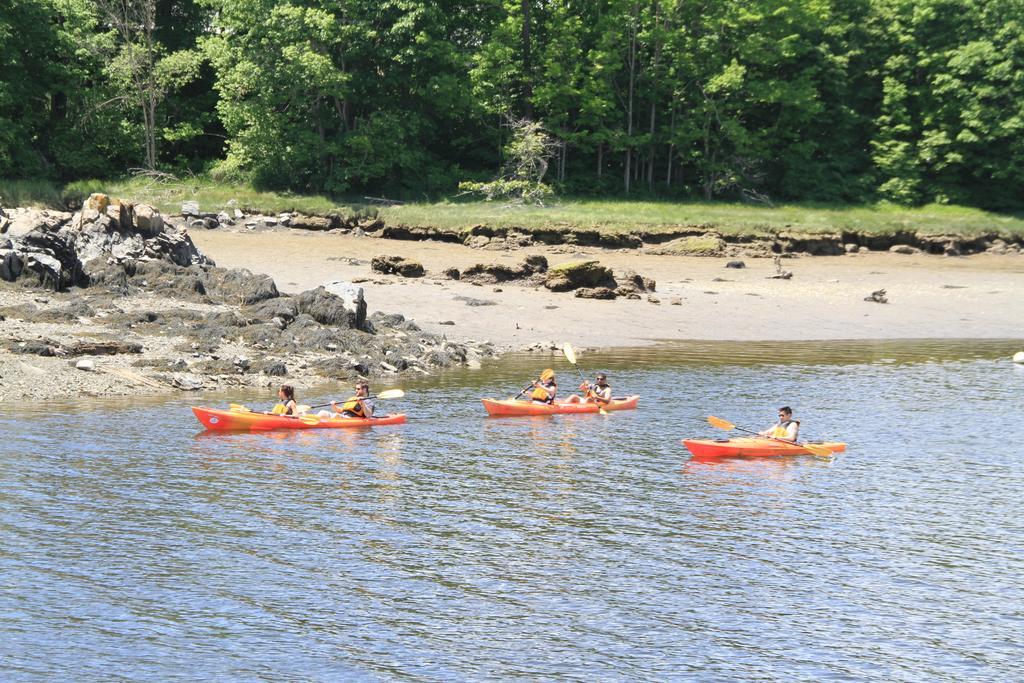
x=819, y=451
x=570, y=355
x=239, y=408
x=390, y=393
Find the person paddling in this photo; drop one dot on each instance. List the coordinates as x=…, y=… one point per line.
x=544, y=389
x=786, y=429
x=599, y=392
x=287, y=406
x=358, y=405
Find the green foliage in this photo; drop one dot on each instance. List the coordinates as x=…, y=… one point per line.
x=911, y=101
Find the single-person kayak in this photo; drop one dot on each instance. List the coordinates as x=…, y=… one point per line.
x=240, y=421
x=753, y=447
x=513, y=407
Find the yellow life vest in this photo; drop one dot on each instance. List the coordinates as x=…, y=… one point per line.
x=541, y=393
x=354, y=406
x=781, y=431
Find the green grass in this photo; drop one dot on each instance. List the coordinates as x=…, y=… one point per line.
x=630, y=216
x=609, y=216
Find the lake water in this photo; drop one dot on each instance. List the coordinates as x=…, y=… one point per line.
x=587, y=547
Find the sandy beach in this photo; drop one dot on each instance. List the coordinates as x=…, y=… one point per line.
x=978, y=296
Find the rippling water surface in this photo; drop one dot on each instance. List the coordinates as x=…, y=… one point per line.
x=583, y=547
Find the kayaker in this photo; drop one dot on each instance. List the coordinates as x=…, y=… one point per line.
x=287, y=406
x=544, y=389
x=358, y=405
x=786, y=429
x=598, y=392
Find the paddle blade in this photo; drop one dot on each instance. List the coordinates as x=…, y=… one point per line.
x=602, y=411
x=302, y=408
x=309, y=419
x=820, y=451
x=570, y=354
x=238, y=408
x=720, y=423
x=391, y=393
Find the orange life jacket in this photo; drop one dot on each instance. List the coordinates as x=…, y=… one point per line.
x=544, y=393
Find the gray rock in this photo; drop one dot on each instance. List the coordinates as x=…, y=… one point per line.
x=328, y=309
x=397, y=265
x=595, y=293
x=10, y=265
x=186, y=381
x=86, y=364
x=568, y=276
x=318, y=223
x=190, y=209
x=904, y=249
x=351, y=295
x=224, y=219
x=735, y=264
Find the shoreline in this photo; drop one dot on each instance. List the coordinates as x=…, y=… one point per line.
x=698, y=298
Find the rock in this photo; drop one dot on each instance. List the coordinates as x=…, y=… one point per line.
x=850, y=248
x=187, y=381
x=1018, y=357
x=284, y=219
x=273, y=368
x=877, y=296
x=97, y=202
x=653, y=299
x=283, y=309
x=225, y=219
x=397, y=265
x=862, y=250
x=329, y=309
x=451, y=273
x=595, y=293
x=320, y=223
x=85, y=364
x=352, y=296
x=675, y=302
x=735, y=264
x=903, y=249
x=446, y=322
x=237, y=213
x=10, y=265
x=190, y=209
x=576, y=274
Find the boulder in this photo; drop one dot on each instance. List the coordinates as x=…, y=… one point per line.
x=10, y=265
x=595, y=293
x=97, y=202
x=190, y=209
x=351, y=295
x=186, y=381
x=904, y=249
x=576, y=274
x=329, y=309
x=148, y=221
x=282, y=308
x=709, y=244
x=736, y=264
x=319, y=223
x=451, y=273
x=397, y=265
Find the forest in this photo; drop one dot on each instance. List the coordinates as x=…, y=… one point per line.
x=830, y=101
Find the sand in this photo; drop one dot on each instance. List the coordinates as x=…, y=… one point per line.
x=979, y=296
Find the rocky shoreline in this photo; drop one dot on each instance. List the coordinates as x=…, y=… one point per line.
x=115, y=300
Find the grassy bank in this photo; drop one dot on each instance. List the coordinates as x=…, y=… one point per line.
x=609, y=216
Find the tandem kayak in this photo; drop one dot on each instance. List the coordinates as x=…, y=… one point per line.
x=752, y=447
x=240, y=421
x=513, y=407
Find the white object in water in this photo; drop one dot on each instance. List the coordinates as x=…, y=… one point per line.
x=1018, y=357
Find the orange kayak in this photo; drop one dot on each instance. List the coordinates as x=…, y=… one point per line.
x=752, y=447
x=513, y=407
x=236, y=421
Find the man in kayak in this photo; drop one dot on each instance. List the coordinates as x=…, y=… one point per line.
x=358, y=405
x=545, y=388
x=599, y=392
x=786, y=429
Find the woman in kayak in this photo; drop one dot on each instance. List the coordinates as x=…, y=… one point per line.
x=358, y=405
x=545, y=388
x=287, y=406
x=786, y=429
x=599, y=392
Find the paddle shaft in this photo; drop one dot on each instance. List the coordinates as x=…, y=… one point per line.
x=810, y=448
x=361, y=398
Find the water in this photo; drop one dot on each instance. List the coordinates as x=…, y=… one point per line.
x=586, y=547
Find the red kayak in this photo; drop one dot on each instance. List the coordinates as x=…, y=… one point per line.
x=513, y=407
x=236, y=421
x=753, y=447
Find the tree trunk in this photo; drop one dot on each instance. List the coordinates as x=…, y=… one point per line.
x=629, y=107
x=600, y=158
x=527, y=66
